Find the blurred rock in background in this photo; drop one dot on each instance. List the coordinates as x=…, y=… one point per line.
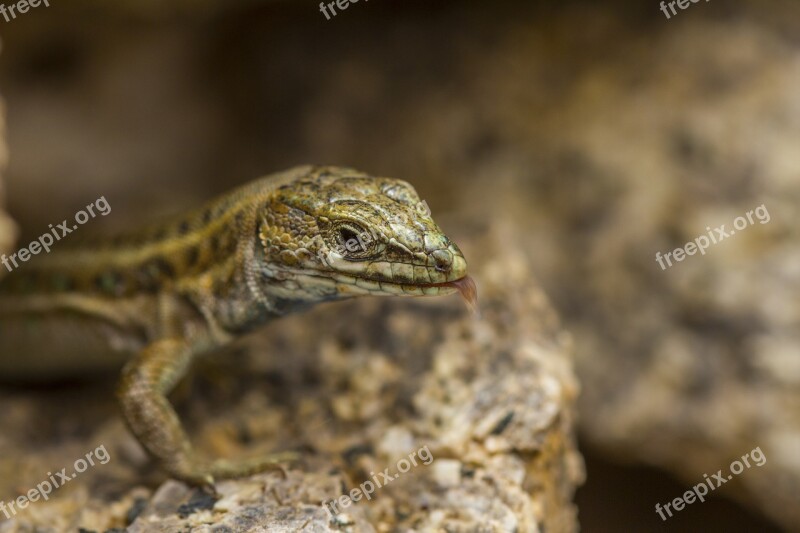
x=7, y=226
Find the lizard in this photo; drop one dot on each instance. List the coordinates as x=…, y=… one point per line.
x=149, y=301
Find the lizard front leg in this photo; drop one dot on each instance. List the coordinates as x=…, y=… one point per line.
x=146, y=380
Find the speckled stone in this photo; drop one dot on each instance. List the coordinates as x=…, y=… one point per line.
x=470, y=416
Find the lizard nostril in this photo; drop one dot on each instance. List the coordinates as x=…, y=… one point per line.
x=443, y=260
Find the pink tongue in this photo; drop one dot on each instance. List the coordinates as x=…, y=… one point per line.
x=469, y=292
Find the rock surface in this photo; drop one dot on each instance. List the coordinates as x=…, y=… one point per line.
x=470, y=417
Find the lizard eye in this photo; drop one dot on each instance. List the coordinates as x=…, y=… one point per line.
x=352, y=241
x=347, y=233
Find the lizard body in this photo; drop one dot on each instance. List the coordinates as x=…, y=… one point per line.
x=153, y=299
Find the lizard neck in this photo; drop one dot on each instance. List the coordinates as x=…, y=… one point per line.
x=201, y=247
x=156, y=259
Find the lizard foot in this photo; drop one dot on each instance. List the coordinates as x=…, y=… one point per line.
x=205, y=475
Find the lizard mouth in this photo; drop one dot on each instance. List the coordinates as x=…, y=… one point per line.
x=349, y=285
x=465, y=286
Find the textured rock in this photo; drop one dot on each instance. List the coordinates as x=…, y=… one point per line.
x=489, y=400
x=483, y=405
x=691, y=367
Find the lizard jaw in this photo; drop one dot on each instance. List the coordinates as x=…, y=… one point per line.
x=360, y=286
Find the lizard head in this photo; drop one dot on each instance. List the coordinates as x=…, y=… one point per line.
x=337, y=233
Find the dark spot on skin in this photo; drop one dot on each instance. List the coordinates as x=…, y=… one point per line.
x=220, y=209
x=146, y=279
x=165, y=267
x=183, y=227
x=230, y=244
x=207, y=216
x=214, y=243
x=222, y=244
x=219, y=288
x=24, y=282
x=110, y=283
x=62, y=283
x=154, y=272
x=192, y=255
